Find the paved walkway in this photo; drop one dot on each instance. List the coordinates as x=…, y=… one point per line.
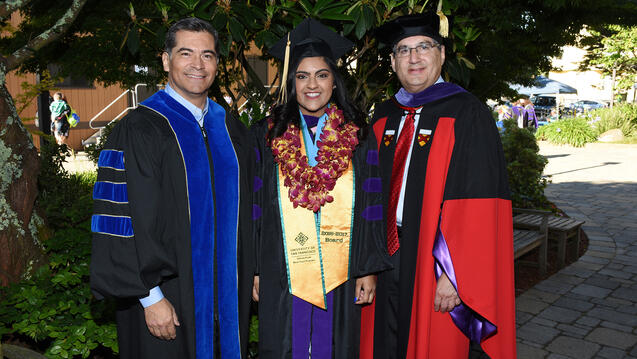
x=588, y=309
x=80, y=163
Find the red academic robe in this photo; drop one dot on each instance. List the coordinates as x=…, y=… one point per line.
x=456, y=188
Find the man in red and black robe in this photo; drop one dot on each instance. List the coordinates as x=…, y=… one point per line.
x=449, y=208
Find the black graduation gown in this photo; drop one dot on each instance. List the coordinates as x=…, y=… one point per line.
x=368, y=254
x=143, y=155
x=476, y=174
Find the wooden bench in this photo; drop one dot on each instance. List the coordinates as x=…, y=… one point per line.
x=526, y=240
x=559, y=228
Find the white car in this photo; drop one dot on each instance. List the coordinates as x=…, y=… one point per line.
x=586, y=105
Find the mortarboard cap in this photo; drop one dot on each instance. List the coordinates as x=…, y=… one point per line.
x=309, y=38
x=434, y=25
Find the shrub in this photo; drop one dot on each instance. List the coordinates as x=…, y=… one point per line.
x=572, y=131
x=93, y=150
x=54, y=306
x=524, y=167
x=623, y=117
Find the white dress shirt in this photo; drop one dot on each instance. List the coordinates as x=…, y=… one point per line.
x=401, y=198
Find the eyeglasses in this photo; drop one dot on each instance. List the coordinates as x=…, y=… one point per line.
x=421, y=49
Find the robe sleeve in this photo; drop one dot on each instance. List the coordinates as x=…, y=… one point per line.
x=258, y=194
x=130, y=247
x=369, y=247
x=476, y=227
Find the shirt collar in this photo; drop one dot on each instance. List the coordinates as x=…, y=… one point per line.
x=196, y=112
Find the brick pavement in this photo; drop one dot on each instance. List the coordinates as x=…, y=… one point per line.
x=588, y=309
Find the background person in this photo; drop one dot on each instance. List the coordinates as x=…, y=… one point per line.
x=60, y=110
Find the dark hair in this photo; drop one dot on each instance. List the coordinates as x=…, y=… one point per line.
x=288, y=112
x=189, y=24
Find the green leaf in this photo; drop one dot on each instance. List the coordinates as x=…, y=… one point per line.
x=219, y=21
x=133, y=41
x=236, y=29
x=336, y=16
x=347, y=28
x=354, y=7
x=361, y=27
x=468, y=63
x=80, y=331
x=368, y=17
x=225, y=47
x=265, y=39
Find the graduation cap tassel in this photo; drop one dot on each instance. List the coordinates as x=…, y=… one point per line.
x=283, y=94
x=444, y=22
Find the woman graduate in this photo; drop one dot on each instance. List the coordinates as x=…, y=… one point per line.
x=319, y=213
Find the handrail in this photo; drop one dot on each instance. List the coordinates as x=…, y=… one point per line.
x=134, y=105
x=90, y=122
x=135, y=94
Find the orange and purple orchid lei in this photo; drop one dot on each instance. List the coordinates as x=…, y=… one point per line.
x=309, y=186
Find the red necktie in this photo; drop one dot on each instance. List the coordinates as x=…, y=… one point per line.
x=405, y=139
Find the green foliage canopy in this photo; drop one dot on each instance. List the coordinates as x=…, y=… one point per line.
x=494, y=42
x=613, y=47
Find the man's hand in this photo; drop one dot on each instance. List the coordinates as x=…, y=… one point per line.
x=255, y=288
x=365, y=289
x=446, y=295
x=161, y=320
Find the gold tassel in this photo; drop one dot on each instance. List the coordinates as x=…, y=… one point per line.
x=444, y=22
x=283, y=93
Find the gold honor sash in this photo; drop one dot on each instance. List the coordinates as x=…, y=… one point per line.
x=316, y=267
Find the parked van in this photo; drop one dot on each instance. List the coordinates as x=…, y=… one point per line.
x=543, y=105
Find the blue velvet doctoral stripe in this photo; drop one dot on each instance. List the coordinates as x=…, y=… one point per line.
x=112, y=225
x=202, y=221
x=111, y=159
x=110, y=191
x=227, y=193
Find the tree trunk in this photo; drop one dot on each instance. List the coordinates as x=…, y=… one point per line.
x=20, y=249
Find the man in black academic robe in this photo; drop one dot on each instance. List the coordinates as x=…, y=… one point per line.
x=171, y=223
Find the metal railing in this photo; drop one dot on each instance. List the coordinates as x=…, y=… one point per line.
x=134, y=103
